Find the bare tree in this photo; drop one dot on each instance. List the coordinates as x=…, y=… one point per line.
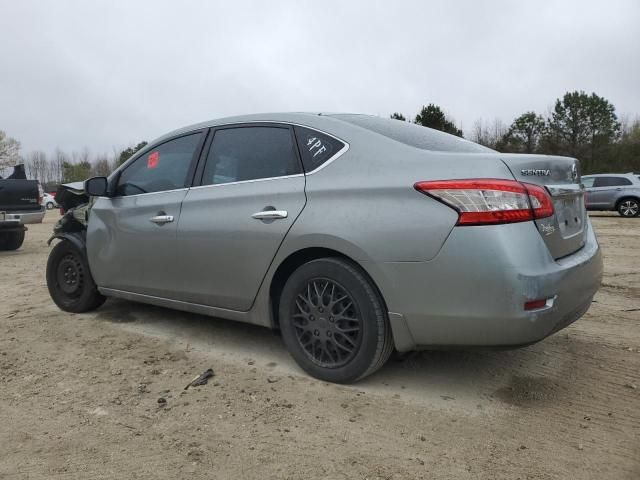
x=9, y=151
x=487, y=133
x=101, y=167
x=37, y=166
x=57, y=162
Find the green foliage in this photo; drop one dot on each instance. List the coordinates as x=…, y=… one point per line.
x=524, y=134
x=397, y=116
x=129, y=152
x=582, y=126
x=621, y=156
x=432, y=116
x=75, y=172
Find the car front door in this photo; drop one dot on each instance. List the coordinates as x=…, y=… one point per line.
x=251, y=189
x=131, y=236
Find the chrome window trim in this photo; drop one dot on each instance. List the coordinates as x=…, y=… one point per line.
x=148, y=193
x=247, y=181
x=332, y=159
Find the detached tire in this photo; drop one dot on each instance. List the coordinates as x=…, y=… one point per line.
x=333, y=321
x=11, y=240
x=69, y=280
x=629, y=207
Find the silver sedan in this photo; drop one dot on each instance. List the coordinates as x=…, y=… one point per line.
x=353, y=235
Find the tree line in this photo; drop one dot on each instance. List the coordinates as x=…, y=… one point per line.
x=60, y=166
x=580, y=125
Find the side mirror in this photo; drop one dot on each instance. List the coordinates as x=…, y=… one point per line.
x=96, y=187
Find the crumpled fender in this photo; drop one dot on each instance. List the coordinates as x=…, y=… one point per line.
x=79, y=239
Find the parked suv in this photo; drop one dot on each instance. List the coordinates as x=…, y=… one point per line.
x=615, y=192
x=352, y=234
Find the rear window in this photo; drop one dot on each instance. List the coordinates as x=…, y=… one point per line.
x=413, y=135
x=611, y=182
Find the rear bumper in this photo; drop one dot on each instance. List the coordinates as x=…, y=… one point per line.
x=473, y=292
x=25, y=218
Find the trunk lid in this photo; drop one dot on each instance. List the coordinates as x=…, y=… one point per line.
x=565, y=231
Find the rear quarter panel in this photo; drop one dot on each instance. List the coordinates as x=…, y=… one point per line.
x=366, y=199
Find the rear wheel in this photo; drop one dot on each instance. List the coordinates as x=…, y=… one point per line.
x=69, y=280
x=629, y=207
x=11, y=240
x=333, y=321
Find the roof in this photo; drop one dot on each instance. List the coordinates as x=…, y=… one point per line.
x=311, y=119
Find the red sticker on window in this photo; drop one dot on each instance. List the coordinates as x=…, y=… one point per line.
x=152, y=159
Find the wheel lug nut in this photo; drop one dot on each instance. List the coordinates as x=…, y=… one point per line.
x=331, y=319
x=321, y=309
x=316, y=333
x=328, y=334
x=312, y=318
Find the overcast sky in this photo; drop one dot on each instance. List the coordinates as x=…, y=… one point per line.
x=106, y=74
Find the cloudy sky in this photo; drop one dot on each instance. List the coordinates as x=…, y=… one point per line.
x=106, y=74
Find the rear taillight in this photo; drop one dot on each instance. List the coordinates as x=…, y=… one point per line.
x=490, y=202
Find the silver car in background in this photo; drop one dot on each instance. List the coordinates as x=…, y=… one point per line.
x=614, y=192
x=353, y=235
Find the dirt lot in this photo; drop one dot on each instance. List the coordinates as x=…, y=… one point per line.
x=79, y=394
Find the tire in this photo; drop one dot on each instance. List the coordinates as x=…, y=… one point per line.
x=335, y=339
x=49, y=205
x=69, y=280
x=629, y=207
x=11, y=240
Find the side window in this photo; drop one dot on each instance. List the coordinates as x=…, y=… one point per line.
x=611, y=182
x=250, y=153
x=163, y=168
x=588, y=182
x=315, y=147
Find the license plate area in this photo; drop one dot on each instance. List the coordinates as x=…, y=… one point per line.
x=570, y=214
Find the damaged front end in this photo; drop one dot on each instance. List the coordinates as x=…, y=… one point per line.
x=74, y=206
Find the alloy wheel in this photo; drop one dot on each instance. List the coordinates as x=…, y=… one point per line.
x=327, y=323
x=629, y=208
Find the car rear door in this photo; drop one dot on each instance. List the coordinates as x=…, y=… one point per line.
x=605, y=191
x=250, y=191
x=131, y=236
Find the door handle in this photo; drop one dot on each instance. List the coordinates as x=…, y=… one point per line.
x=161, y=219
x=270, y=214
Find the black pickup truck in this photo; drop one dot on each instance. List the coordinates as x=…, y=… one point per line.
x=20, y=204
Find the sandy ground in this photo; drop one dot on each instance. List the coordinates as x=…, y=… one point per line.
x=79, y=394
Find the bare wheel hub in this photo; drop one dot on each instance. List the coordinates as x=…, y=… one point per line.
x=70, y=275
